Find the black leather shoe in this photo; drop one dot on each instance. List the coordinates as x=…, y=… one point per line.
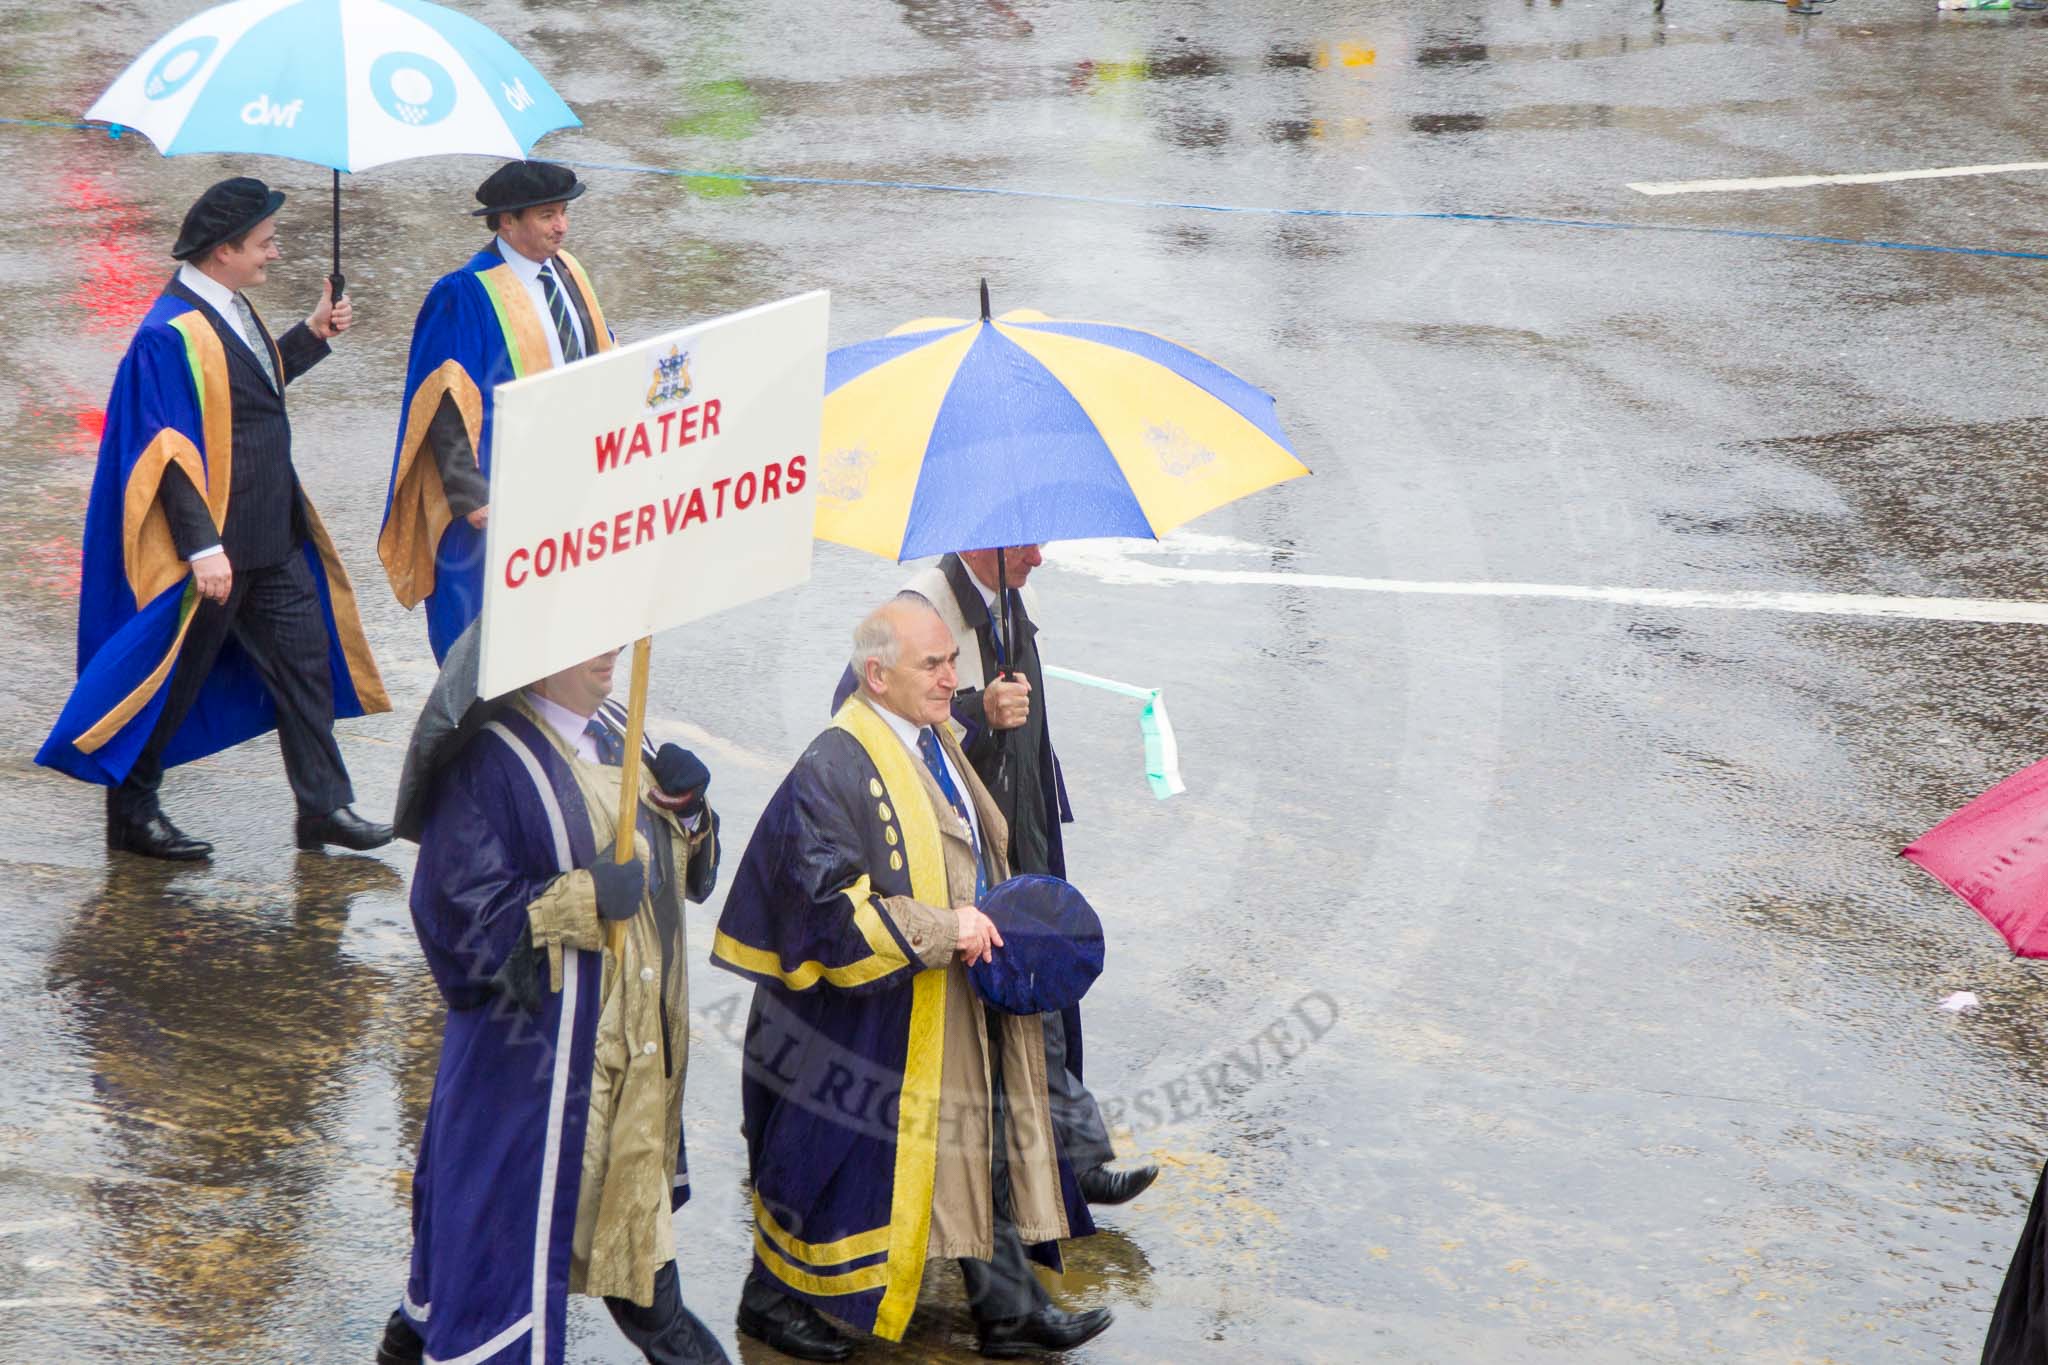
x=401, y=1345
x=343, y=828
x=1049, y=1329
x=795, y=1328
x=1101, y=1185
x=154, y=836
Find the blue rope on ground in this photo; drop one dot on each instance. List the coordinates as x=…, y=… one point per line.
x=1114, y=201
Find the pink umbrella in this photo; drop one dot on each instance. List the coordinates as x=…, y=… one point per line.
x=1994, y=854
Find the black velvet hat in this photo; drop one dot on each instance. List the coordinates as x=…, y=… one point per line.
x=225, y=211
x=523, y=184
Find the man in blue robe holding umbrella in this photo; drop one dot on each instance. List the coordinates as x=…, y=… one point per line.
x=212, y=605
x=519, y=306
x=890, y=1118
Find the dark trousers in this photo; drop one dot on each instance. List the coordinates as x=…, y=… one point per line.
x=1076, y=1117
x=275, y=613
x=665, y=1332
x=1002, y=1287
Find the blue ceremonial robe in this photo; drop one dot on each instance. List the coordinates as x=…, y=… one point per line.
x=845, y=1040
x=170, y=405
x=477, y=329
x=500, y=1164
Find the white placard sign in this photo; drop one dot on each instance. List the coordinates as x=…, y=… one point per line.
x=650, y=486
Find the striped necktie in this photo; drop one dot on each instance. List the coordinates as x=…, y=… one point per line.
x=253, y=334
x=611, y=750
x=558, y=309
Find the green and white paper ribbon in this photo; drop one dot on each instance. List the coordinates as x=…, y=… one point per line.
x=1162, y=755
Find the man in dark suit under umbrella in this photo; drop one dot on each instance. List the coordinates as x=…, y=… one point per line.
x=1001, y=704
x=212, y=605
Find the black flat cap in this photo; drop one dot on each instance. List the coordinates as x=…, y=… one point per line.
x=523, y=184
x=225, y=211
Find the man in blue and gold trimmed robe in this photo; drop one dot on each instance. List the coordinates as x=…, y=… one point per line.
x=889, y=1115
x=212, y=605
x=552, y=1155
x=520, y=306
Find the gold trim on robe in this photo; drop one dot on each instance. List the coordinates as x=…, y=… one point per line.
x=602, y=341
x=348, y=624
x=419, y=504
x=917, y=1115
x=110, y=724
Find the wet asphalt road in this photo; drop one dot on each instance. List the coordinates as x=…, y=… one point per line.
x=1518, y=980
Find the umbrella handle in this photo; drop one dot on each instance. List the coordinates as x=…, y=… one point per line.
x=338, y=280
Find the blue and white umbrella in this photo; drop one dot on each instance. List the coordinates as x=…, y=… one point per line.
x=348, y=84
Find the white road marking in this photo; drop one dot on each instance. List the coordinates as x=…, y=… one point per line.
x=1797, y=182
x=1112, y=562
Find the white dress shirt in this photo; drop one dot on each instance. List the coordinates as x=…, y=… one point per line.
x=988, y=594
x=218, y=297
x=528, y=272
x=566, y=723
x=575, y=733
x=908, y=733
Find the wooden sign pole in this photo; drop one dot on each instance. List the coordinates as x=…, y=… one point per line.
x=629, y=783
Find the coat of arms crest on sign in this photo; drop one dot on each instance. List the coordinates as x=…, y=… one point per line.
x=669, y=381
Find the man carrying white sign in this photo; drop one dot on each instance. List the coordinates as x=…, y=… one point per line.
x=634, y=491
x=552, y=1156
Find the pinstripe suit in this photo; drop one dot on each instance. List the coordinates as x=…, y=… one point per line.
x=273, y=611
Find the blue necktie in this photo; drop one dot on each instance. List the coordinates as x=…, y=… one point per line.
x=928, y=745
x=611, y=750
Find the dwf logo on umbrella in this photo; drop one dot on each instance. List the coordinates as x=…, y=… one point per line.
x=263, y=111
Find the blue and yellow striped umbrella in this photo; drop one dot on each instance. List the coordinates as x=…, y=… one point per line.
x=964, y=435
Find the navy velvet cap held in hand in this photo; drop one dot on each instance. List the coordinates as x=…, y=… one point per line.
x=1052, y=946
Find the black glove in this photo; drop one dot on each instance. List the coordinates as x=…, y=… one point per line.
x=519, y=979
x=682, y=777
x=619, y=885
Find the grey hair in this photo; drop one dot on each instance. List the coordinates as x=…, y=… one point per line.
x=876, y=638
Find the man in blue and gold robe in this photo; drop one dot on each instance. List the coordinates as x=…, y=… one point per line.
x=212, y=605
x=520, y=306
x=890, y=1116
x=1001, y=709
